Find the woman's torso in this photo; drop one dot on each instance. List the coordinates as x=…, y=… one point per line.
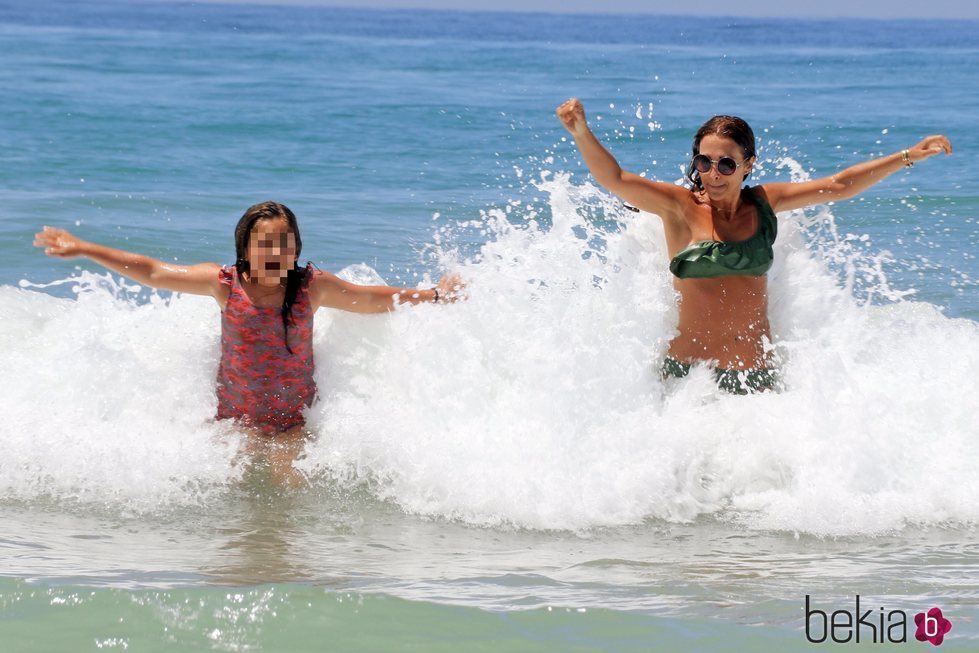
x=723, y=319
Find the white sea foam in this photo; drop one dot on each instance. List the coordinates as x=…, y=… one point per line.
x=535, y=403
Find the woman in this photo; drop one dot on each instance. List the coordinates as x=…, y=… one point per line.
x=720, y=237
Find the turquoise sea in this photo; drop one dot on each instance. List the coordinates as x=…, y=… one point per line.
x=508, y=473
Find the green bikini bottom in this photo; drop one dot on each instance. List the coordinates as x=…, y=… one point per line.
x=739, y=382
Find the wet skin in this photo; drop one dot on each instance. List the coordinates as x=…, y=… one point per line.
x=723, y=319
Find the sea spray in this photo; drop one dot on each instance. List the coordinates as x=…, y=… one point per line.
x=535, y=403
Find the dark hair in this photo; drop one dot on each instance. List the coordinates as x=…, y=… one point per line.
x=295, y=276
x=729, y=127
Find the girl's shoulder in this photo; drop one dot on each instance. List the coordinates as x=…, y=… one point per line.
x=308, y=274
x=226, y=275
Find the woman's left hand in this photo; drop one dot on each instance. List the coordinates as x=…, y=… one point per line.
x=451, y=288
x=929, y=147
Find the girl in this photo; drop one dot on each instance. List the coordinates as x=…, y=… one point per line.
x=265, y=377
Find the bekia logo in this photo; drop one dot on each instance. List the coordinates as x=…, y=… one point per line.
x=843, y=626
x=931, y=626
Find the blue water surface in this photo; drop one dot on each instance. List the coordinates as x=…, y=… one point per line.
x=153, y=125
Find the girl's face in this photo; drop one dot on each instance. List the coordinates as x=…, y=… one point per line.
x=271, y=252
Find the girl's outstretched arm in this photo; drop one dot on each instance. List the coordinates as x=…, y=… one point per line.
x=852, y=181
x=333, y=292
x=199, y=279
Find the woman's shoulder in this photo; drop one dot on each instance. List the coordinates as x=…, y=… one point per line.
x=694, y=200
x=696, y=197
x=761, y=196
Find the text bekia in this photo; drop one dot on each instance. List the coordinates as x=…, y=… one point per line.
x=842, y=626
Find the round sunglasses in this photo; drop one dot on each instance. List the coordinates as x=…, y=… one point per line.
x=725, y=165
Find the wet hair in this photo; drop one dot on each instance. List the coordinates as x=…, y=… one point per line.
x=729, y=127
x=295, y=276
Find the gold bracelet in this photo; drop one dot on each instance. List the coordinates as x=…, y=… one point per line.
x=906, y=157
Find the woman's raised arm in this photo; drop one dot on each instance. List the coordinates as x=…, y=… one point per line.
x=665, y=200
x=852, y=181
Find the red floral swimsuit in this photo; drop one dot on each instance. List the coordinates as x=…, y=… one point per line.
x=259, y=382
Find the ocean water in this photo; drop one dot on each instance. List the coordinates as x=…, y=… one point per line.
x=508, y=473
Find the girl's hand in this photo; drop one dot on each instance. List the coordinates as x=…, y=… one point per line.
x=450, y=289
x=572, y=115
x=929, y=147
x=58, y=242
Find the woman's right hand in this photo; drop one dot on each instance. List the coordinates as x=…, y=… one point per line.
x=58, y=242
x=572, y=115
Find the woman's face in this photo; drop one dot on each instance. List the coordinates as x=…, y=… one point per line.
x=716, y=185
x=271, y=251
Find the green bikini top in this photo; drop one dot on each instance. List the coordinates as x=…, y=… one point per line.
x=714, y=258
